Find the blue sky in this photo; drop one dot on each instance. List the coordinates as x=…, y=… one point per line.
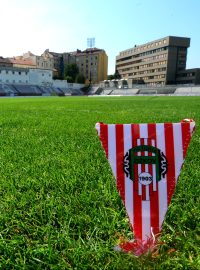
x=116, y=25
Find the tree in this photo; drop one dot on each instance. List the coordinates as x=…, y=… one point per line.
x=80, y=78
x=69, y=79
x=71, y=70
x=117, y=75
x=110, y=77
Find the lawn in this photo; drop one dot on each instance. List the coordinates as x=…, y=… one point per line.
x=59, y=207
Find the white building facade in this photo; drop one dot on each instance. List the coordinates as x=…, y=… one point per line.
x=11, y=75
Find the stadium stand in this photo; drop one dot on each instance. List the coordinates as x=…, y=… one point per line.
x=107, y=91
x=76, y=92
x=93, y=90
x=122, y=92
x=158, y=90
x=7, y=90
x=27, y=90
x=188, y=91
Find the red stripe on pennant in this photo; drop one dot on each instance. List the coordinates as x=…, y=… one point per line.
x=119, y=160
x=154, y=200
x=169, y=146
x=143, y=170
x=185, y=137
x=137, y=200
x=104, y=137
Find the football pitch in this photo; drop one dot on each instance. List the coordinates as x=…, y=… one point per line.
x=59, y=206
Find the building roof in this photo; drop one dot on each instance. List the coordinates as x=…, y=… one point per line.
x=25, y=62
x=55, y=54
x=4, y=60
x=87, y=51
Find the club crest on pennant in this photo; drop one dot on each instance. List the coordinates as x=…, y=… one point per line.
x=145, y=164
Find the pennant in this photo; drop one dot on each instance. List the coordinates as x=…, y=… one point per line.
x=146, y=160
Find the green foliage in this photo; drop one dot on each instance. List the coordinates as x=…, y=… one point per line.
x=71, y=70
x=69, y=79
x=80, y=78
x=110, y=77
x=59, y=205
x=116, y=75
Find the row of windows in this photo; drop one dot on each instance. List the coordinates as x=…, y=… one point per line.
x=87, y=58
x=143, y=54
x=141, y=48
x=82, y=64
x=156, y=83
x=162, y=76
x=14, y=72
x=192, y=74
x=45, y=64
x=145, y=71
x=148, y=71
x=18, y=73
x=13, y=81
x=153, y=64
x=146, y=60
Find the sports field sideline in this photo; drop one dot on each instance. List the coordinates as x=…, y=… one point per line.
x=59, y=207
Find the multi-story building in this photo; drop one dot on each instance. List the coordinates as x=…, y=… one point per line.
x=188, y=76
x=57, y=61
x=156, y=62
x=92, y=64
x=41, y=62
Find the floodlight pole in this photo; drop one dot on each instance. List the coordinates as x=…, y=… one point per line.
x=90, y=44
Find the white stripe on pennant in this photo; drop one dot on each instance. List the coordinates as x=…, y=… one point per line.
x=192, y=125
x=112, y=148
x=97, y=126
x=128, y=181
x=162, y=184
x=146, y=170
x=154, y=169
x=146, y=221
x=178, y=149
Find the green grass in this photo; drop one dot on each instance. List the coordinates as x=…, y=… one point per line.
x=59, y=208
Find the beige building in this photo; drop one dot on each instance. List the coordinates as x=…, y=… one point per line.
x=41, y=62
x=22, y=63
x=30, y=60
x=56, y=62
x=92, y=63
x=156, y=62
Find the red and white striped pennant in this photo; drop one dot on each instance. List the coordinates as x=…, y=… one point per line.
x=146, y=160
